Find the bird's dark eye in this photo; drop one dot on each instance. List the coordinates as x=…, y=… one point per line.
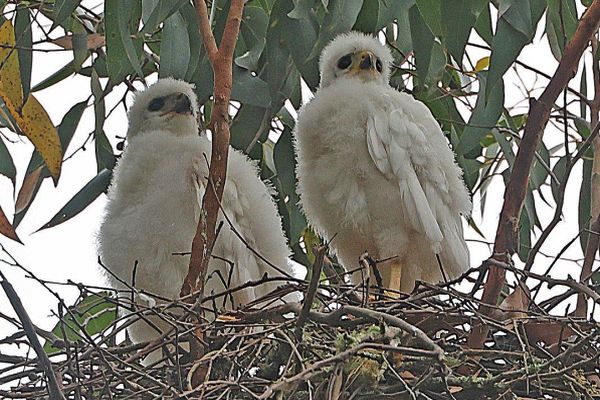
x=156, y=104
x=379, y=65
x=344, y=62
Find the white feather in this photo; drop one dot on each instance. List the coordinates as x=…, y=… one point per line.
x=362, y=139
x=153, y=209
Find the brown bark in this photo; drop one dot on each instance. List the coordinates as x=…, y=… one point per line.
x=506, y=242
x=221, y=60
x=592, y=244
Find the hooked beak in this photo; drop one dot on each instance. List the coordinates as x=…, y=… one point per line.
x=177, y=103
x=362, y=61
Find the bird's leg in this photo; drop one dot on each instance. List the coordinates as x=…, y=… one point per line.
x=392, y=275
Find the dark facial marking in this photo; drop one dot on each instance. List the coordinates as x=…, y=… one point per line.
x=378, y=65
x=345, y=61
x=183, y=104
x=156, y=104
x=366, y=63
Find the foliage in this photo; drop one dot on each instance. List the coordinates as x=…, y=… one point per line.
x=279, y=45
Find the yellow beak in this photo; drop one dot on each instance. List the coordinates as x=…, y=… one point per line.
x=363, y=60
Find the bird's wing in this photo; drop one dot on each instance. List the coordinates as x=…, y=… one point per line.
x=393, y=141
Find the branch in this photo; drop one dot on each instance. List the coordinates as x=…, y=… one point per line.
x=205, y=31
x=43, y=361
x=592, y=238
x=312, y=289
x=514, y=195
x=221, y=60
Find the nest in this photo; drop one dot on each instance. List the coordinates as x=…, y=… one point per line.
x=392, y=346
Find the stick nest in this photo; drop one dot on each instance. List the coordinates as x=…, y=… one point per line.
x=409, y=347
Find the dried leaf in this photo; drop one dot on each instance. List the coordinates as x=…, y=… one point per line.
x=37, y=126
x=10, y=78
x=94, y=41
x=550, y=333
x=31, y=117
x=454, y=389
x=28, y=189
x=407, y=375
x=515, y=305
x=7, y=229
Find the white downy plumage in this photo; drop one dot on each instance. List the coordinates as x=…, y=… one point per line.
x=375, y=168
x=154, y=205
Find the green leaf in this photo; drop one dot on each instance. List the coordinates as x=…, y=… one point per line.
x=174, y=48
x=245, y=126
x=561, y=22
x=302, y=9
x=585, y=202
x=484, y=116
x=24, y=46
x=540, y=168
x=7, y=167
x=105, y=157
x=294, y=222
x=516, y=27
x=80, y=50
x=431, y=14
x=483, y=26
x=90, y=192
x=62, y=10
x=471, y=170
x=93, y=313
x=525, y=227
x=253, y=32
x=61, y=74
x=459, y=18
x=429, y=56
x=249, y=89
x=122, y=52
x=161, y=11
x=368, y=18
x=559, y=171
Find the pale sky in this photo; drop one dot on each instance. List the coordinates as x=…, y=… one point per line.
x=67, y=252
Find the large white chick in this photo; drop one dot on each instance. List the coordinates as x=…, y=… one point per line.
x=375, y=169
x=154, y=206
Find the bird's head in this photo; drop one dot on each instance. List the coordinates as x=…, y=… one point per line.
x=169, y=104
x=355, y=55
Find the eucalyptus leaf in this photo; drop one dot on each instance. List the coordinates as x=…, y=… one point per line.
x=90, y=192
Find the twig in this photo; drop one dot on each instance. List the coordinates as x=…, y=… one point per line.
x=312, y=289
x=514, y=195
x=43, y=360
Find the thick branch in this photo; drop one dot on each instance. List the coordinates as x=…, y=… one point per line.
x=514, y=195
x=205, y=30
x=592, y=242
x=221, y=60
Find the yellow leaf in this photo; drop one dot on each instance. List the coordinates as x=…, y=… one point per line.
x=38, y=127
x=31, y=117
x=10, y=75
x=482, y=63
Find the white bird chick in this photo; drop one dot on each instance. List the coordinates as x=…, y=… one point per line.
x=154, y=204
x=375, y=168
